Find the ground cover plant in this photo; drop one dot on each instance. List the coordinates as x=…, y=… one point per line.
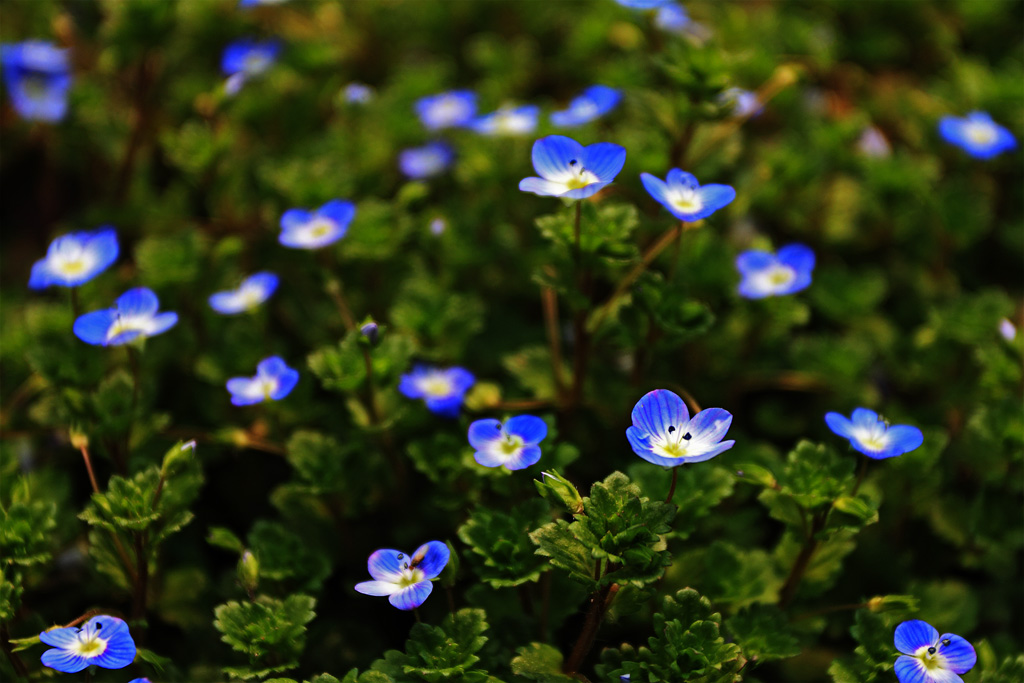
x=402, y=341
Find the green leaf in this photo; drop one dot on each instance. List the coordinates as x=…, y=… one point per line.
x=286, y=557
x=763, y=633
x=150, y=657
x=224, y=538
x=440, y=653
x=539, y=662
x=501, y=551
x=270, y=632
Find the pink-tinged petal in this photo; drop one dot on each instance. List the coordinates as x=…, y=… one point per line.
x=412, y=596
x=377, y=588
x=431, y=558
x=386, y=564
x=912, y=635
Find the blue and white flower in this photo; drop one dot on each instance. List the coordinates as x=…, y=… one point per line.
x=246, y=58
x=508, y=121
x=405, y=579
x=872, y=144
x=930, y=658
x=593, y=103
x=303, y=229
x=513, y=444
x=684, y=197
x=664, y=433
x=447, y=110
x=1007, y=329
x=273, y=381
x=642, y=4
x=256, y=3
x=977, y=134
x=134, y=317
x=744, y=103
x=570, y=170
x=873, y=436
x=766, y=274
x=442, y=389
x=75, y=258
x=38, y=77
x=357, y=93
x=253, y=291
x=425, y=162
x=673, y=18
x=102, y=641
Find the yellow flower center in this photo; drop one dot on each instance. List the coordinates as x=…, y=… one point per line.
x=436, y=386
x=980, y=133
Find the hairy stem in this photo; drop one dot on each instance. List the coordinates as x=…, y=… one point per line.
x=672, y=488
x=122, y=553
x=599, y=604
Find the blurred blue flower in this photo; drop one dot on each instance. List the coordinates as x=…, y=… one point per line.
x=872, y=436
x=246, y=58
x=664, y=433
x=513, y=444
x=357, y=93
x=371, y=331
x=102, y=641
x=673, y=18
x=38, y=76
x=928, y=657
x=134, y=316
x=744, y=103
x=684, y=197
x=642, y=4
x=427, y=161
x=507, y=121
x=568, y=169
x=302, y=229
x=405, y=579
x=75, y=258
x=140, y=680
x=977, y=134
x=254, y=3
x=766, y=274
x=273, y=381
x=593, y=103
x=443, y=389
x=447, y=110
x=1007, y=329
x=872, y=144
x=253, y=291
x=438, y=226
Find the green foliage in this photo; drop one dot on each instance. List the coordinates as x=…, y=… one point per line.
x=270, y=632
x=500, y=547
x=763, y=633
x=873, y=656
x=539, y=662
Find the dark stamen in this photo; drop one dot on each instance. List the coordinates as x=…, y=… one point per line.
x=572, y=162
x=671, y=429
x=400, y=555
x=687, y=436
x=946, y=641
x=931, y=650
x=99, y=626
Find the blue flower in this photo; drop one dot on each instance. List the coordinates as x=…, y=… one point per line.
x=595, y=102
x=256, y=3
x=928, y=657
x=38, y=76
x=507, y=121
x=357, y=93
x=673, y=18
x=513, y=444
x=977, y=134
x=427, y=161
x=75, y=258
x=246, y=58
x=568, y=169
x=642, y=4
x=766, y=274
x=405, y=579
x=664, y=433
x=447, y=110
x=744, y=103
x=302, y=229
x=253, y=291
x=273, y=381
x=443, y=389
x=872, y=436
x=684, y=197
x=103, y=641
x=1007, y=329
x=133, y=317
x=872, y=144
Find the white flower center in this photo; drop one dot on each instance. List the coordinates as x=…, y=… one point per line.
x=410, y=576
x=129, y=323
x=585, y=109
x=319, y=228
x=449, y=110
x=256, y=63
x=980, y=133
x=580, y=177
x=89, y=647
x=687, y=201
x=775, y=278
x=931, y=657
x=675, y=443
x=873, y=438
x=436, y=385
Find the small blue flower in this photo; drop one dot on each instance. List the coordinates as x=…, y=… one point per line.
x=302, y=229
x=357, y=93
x=447, y=110
x=427, y=161
x=246, y=58
x=642, y=4
x=102, y=641
x=405, y=579
x=684, y=197
x=1007, y=329
x=133, y=317
x=593, y=103
x=38, y=77
x=443, y=389
x=663, y=432
x=872, y=144
x=744, y=103
x=513, y=444
x=928, y=657
x=977, y=134
x=507, y=121
x=256, y=3
x=766, y=274
x=273, y=381
x=872, y=436
x=568, y=169
x=673, y=18
x=253, y=291
x=75, y=258
x=438, y=226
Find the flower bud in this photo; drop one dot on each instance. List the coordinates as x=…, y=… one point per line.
x=558, y=490
x=370, y=332
x=248, y=572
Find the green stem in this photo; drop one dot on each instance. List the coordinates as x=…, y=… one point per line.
x=672, y=488
x=803, y=560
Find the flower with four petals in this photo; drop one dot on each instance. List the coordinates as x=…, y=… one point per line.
x=273, y=381
x=405, y=579
x=252, y=292
x=442, y=389
x=664, y=433
x=873, y=436
x=684, y=197
x=977, y=134
x=766, y=274
x=928, y=657
x=75, y=258
x=570, y=170
x=134, y=317
x=508, y=121
x=302, y=229
x=102, y=641
x=513, y=444
x=427, y=161
x=451, y=109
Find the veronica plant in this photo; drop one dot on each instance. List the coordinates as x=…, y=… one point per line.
x=513, y=444
x=103, y=641
x=134, y=317
x=252, y=292
x=508, y=121
x=664, y=433
x=442, y=389
x=247, y=58
x=766, y=274
x=405, y=579
x=447, y=110
x=930, y=658
x=427, y=161
x=570, y=170
x=590, y=105
x=273, y=381
x=684, y=197
x=977, y=134
x=873, y=436
x=38, y=76
x=75, y=258
x=303, y=229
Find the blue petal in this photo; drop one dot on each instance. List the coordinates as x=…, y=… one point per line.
x=659, y=410
x=412, y=596
x=662, y=460
x=542, y=187
x=461, y=378
x=386, y=564
x=103, y=244
x=63, y=660
x=338, y=210
x=839, y=424
x=272, y=366
x=604, y=159
x=710, y=424
x=409, y=387
x=678, y=178
x=482, y=433
x=638, y=440
x=488, y=457
x=717, y=450
x=904, y=438
x=960, y=655
x=60, y=637
x=265, y=281
x=162, y=322
x=286, y=381
x=951, y=128
x=376, y=588
x=862, y=417
x=120, y=650
x=530, y=429
x=109, y=627
x=242, y=393
x=912, y=635
x=584, y=192
x=41, y=277
x=295, y=218
x=447, y=406
x=911, y=670
x=714, y=197
x=431, y=558
x=604, y=97
x=527, y=456
x=92, y=327
x=226, y=303
x=139, y=301
x=753, y=261
x=797, y=256
x=656, y=187
x=551, y=157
